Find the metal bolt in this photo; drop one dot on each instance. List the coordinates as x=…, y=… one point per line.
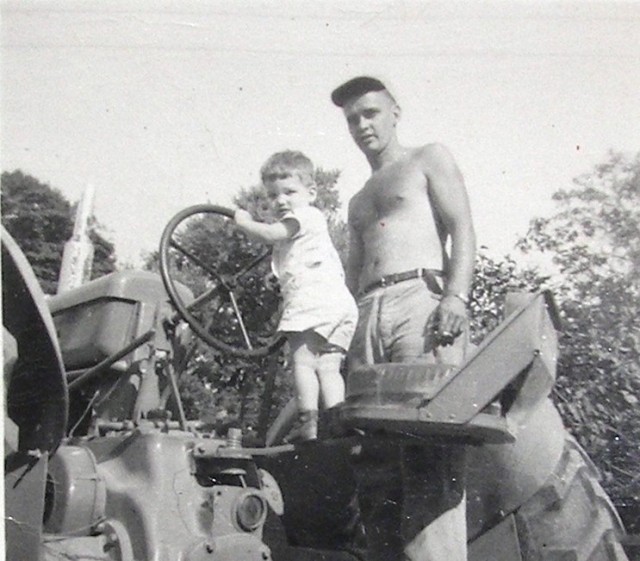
x=234, y=438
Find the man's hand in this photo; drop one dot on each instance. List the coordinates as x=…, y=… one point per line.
x=449, y=319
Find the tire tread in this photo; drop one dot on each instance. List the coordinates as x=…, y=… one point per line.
x=571, y=518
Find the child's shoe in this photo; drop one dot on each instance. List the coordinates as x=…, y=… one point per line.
x=307, y=428
x=330, y=425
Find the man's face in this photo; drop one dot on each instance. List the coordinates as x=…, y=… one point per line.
x=372, y=119
x=289, y=193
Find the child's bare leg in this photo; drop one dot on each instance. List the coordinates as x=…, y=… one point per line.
x=330, y=378
x=304, y=370
x=304, y=358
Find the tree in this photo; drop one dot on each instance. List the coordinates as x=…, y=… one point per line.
x=594, y=240
x=40, y=219
x=104, y=253
x=493, y=279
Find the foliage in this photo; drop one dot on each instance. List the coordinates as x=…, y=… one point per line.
x=594, y=239
x=597, y=229
x=40, y=219
x=104, y=255
x=493, y=279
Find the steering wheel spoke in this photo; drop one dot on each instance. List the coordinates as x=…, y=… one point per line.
x=236, y=310
x=218, y=313
x=195, y=259
x=205, y=297
x=251, y=265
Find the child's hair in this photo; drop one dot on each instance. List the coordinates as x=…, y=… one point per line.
x=287, y=164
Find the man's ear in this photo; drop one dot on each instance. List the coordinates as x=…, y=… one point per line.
x=397, y=112
x=313, y=191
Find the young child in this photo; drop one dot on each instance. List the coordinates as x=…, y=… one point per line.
x=318, y=312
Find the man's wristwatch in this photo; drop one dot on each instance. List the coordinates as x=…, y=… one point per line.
x=459, y=296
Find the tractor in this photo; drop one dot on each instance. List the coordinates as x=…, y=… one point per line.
x=101, y=462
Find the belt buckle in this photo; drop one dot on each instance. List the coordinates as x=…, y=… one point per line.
x=383, y=282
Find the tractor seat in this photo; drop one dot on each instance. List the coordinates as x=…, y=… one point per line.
x=502, y=380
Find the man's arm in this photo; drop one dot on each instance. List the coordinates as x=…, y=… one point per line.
x=355, y=256
x=449, y=197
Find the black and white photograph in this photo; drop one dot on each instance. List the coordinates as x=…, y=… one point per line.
x=345, y=280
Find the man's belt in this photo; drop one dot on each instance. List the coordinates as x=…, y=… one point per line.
x=429, y=275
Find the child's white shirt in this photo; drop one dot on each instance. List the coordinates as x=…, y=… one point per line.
x=312, y=283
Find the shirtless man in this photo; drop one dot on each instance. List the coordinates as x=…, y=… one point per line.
x=412, y=297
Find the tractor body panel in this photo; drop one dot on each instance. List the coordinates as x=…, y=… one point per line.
x=170, y=495
x=99, y=318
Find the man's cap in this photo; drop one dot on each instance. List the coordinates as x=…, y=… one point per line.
x=356, y=87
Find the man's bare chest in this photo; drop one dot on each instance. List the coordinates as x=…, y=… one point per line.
x=389, y=197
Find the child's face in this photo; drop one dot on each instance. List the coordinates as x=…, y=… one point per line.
x=289, y=193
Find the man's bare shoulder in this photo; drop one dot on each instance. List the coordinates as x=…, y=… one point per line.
x=356, y=201
x=434, y=153
x=360, y=195
x=436, y=158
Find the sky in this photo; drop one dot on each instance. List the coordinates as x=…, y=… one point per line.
x=162, y=105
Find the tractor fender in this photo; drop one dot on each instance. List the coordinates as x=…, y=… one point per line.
x=36, y=388
x=502, y=477
x=35, y=400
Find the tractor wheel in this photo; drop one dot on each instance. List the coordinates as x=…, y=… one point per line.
x=570, y=518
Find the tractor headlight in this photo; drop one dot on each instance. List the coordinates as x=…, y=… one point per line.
x=76, y=494
x=250, y=510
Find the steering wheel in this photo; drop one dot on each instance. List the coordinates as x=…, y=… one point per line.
x=227, y=288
